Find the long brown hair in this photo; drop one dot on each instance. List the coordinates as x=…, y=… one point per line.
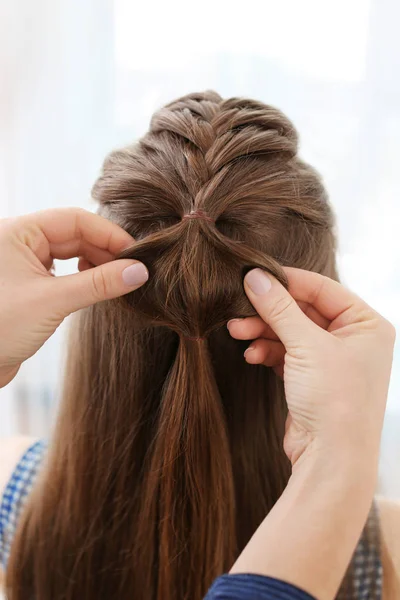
x=168, y=452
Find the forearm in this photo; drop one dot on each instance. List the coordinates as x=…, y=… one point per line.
x=309, y=536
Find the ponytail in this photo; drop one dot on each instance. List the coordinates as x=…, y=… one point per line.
x=189, y=481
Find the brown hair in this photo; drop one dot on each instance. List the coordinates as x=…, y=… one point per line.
x=168, y=449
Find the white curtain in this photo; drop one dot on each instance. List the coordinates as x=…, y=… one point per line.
x=79, y=77
x=56, y=125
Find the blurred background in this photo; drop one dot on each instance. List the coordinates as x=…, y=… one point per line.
x=80, y=77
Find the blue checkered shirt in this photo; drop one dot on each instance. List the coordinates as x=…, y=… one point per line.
x=363, y=580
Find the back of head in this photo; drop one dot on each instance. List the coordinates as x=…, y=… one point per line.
x=168, y=449
x=234, y=163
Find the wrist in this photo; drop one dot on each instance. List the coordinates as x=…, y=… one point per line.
x=310, y=534
x=341, y=483
x=351, y=443
x=339, y=463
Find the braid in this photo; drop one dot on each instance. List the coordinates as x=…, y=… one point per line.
x=236, y=162
x=219, y=132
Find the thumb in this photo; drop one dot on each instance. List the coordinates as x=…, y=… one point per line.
x=278, y=308
x=109, y=280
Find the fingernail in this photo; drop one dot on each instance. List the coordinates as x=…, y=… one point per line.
x=249, y=349
x=229, y=323
x=135, y=274
x=258, y=281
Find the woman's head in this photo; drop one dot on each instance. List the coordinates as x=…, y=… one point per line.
x=168, y=448
x=236, y=162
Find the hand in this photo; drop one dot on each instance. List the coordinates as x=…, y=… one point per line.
x=33, y=302
x=335, y=355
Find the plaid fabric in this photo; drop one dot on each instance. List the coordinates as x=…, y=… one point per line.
x=15, y=495
x=364, y=577
x=363, y=580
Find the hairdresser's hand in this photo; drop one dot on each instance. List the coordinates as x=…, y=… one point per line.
x=33, y=302
x=335, y=354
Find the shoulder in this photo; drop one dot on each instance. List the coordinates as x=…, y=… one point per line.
x=389, y=517
x=12, y=449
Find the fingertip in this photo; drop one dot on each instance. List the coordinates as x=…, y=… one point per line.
x=248, y=328
x=250, y=355
x=235, y=320
x=241, y=329
x=266, y=352
x=258, y=282
x=135, y=275
x=231, y=325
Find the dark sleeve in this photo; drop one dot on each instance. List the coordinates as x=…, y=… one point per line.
x=254, y=587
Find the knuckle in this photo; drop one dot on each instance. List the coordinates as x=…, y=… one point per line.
x=4, y=221
x=389, y=331
x=383, y=329
x=74, y=210
x=6, y=224
x=323, y=281
x=100, y=285
x=280, y=307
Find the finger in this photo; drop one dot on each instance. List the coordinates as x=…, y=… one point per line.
x=57, y=226
x=265, y=352
x=328, y=297
x=278, y=309
x=250, y=328
x=84, y=265
x=49, y=264
x=73, y=248
x=104, y=282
